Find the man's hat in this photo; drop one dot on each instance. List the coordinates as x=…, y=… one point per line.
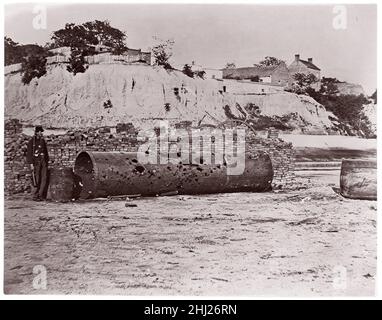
x=38, y=129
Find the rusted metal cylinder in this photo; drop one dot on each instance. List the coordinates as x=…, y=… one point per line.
x=119, y=173
x=358, y=179
x=63, y=184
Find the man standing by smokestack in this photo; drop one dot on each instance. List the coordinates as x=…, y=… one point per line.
x=37, y=157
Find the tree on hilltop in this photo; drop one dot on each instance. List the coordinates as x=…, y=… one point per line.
x=162, y=53
x=77, y=62
x=305, y=80
x=15, y=52
x=106, y=35
x=34, y=66
x=269, y=61
x=230, y=65
x=83, y=38
x=187, y=70
x=329, y=86
x=374, y=96
x=10, y=51
x=89, y=34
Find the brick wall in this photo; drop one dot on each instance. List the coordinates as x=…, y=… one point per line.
x=282, y=156
x=64, y=148
x=15, y=169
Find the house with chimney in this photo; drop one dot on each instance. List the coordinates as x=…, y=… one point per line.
x=274, y=75
x=304, y=66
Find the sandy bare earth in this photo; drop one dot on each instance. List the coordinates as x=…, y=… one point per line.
x=302, y=242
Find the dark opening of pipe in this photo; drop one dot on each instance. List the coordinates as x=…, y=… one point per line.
x=84, y=167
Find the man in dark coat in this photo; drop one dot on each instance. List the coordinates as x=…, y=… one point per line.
x=37, y=157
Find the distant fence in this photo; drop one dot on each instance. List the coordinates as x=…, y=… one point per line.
x=108, y=58
x=96, y=59
x=57, y=59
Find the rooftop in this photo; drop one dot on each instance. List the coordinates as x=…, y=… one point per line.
x=310, y=65
x=260, y=71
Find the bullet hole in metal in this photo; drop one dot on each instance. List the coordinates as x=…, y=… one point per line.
x=178, y=154
x=139, y=169
x=107, y=104
x=167, y=107
x=151, y=173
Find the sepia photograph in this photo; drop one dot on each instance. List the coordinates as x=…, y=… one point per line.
x=202, y=150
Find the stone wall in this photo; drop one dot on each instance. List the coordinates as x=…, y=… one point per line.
x=282, y=156
x=64, y=148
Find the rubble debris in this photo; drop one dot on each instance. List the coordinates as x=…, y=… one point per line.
x=169, y=193
x=130, y=205
x=219, y=279
x=304, y=221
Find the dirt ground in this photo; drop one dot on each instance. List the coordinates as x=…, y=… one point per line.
x=306, y=242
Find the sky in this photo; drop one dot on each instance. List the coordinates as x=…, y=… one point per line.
x=212, y=35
